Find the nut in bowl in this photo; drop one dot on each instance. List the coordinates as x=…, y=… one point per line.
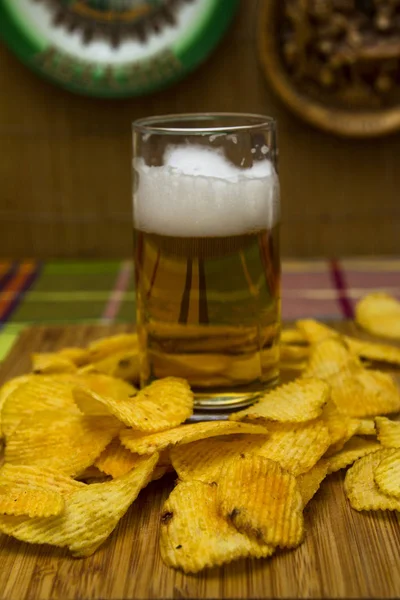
x=80, y=445
x=335, y=64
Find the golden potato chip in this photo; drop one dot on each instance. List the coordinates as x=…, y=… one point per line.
x=38, y=393
x=69, y=444
x=341, y=427
x=374, y=352
x=293, y=336
x=330, y=356
x=79, y=356
x=116, y=460
x=203, y=460
x=210, y=370
x=360, y=486
x=296, y=447
x=10, y=386
x=137, y=442
x=205, y=370
x=309, y=482
x=48, y=363
x=295, y=354
x=379, y=313
x=292, y=368
x=298, y=401
x=387, y=474
x=92, y=475
x=365, y=427
x=104, y=385
x=91, y=513
x=262, y=500
x=23, y=499
x=163, y=404
x=365, y=393
x=106, y=346
x=92, y=388
x=123, y=365
x=388, y=432
x=243, y=369
x=159, y=472
x=314, y=331
x=351, y=451
x=194, y=536
x=35, y=476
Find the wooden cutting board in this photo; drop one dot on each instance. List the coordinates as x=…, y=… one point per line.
x=345, y=554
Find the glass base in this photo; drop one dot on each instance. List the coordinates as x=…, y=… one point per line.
x=213, y=405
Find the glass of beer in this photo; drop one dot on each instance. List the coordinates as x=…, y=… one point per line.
x=206, y=251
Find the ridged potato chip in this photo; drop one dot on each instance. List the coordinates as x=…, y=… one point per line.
x=379, y=313
x=92, y=475
x=293, y=336
x=262, y=500
x=97, y=394
x=296, y=447
x=210, y=370
x=388, y=432
x=70, y=444
x=341, y=427
x=38, y=393
x=39, y=476
x=387, y=474
x=105, y=385
x=203, y=460
x=116, y=460
x=329, y=357
x=21, y=499
x=107, y=346
x=373, y=351
x=164, y=404
x=365, y=393
x=48, y=363
x=309, y=482
x=79, y=356
x=91, y=513
x=292, y=367
x=295, y=354
x=314, y=331
x=194, y=536
x=205, y=370
x=296, y=402
x=366, y=427
x=10, y=386
x=137, y=442
x=360, y=486
x=351, y=451
x=123, y=365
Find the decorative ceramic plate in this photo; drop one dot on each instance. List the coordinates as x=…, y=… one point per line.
x=114, y=48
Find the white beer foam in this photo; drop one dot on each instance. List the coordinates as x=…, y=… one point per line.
x=198, y=192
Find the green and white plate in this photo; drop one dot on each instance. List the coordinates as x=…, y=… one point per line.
x=114, y=48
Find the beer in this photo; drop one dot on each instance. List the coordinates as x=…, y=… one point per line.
x=208, y=275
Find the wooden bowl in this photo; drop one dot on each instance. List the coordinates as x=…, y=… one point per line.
x=355, y=122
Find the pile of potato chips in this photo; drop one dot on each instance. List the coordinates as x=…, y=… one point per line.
x=80, y=442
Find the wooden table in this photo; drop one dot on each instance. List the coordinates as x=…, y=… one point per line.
x=345, y=554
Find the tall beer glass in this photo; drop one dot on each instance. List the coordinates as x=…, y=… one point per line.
x=206, y=251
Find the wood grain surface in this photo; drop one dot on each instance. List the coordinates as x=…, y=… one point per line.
x=65, y=177
x=345, y=554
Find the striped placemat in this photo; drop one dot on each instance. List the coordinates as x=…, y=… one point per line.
x=63, y=292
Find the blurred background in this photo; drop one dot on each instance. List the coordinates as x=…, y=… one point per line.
x=65, y=173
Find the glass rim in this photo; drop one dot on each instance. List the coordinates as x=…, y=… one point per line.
x=158, y=124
